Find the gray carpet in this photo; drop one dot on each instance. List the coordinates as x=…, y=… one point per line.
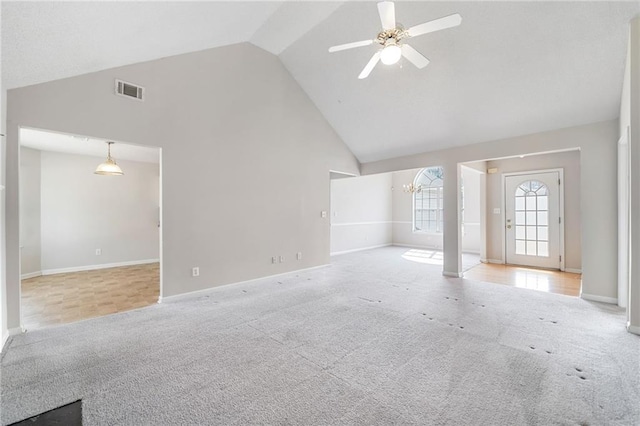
x=371, y=339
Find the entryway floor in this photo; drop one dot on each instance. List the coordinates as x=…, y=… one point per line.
x=64, y=298
x=536, y=279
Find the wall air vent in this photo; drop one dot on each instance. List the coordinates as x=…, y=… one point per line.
x=129, y=90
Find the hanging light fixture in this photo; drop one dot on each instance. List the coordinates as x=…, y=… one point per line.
x=412, y=189
x=109, y=167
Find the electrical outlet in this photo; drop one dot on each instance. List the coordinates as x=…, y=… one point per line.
x=98, y=252
x=323, y=214
x=195, y=271
x=281, y=259
x=299, y=255
x=274, y=259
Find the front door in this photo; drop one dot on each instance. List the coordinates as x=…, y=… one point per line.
x=532, y=215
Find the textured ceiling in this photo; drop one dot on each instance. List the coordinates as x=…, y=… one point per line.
x=43, y=41
x=511, y=68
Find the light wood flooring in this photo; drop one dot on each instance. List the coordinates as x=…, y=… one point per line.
x=537, y=279
x=64, y=298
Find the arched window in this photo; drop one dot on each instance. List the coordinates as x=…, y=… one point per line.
x=428, y=200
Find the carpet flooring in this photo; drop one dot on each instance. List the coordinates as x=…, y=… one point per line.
x=371, y=339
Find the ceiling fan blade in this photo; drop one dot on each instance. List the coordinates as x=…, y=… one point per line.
x=435, y=25
x=413, y=56
x=350, y=45
x=387, y=11
x=370, y=65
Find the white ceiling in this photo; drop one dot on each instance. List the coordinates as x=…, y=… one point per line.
x=511, y=68
x=59, y=142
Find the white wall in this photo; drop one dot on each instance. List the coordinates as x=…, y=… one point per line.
x=570, y=162
x=403, y=234
x=597, y=143
x=472, y=217
x=246, y=160
x=30, y=252
x=82, y=212
x=361, y=212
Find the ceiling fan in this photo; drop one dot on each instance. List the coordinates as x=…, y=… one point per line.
x=391, y=36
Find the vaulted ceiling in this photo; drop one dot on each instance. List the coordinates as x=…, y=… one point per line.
x=511, y=68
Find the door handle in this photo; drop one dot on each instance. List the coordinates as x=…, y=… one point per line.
x=508, y=226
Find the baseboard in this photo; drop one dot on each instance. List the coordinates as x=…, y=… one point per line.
x=30, y=275
x=417, y=247
x=5, y=337
x=452, y=274
x=603, y=299
x=633, y=329
x=94, y=267
x=573, y=271
x=496, y=261
x=195, y=293
x=338, y=253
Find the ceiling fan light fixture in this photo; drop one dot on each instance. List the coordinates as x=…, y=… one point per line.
x=109, y=167
x=390, y=54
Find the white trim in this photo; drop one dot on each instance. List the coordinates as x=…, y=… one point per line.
x=337, y=253
x=496, y=261
x=342, y=173
x=5, y=337
x=633, y=329
x=362, y=223
x=15, y=331
x=417, y=247
x=402, y=222
x=573, y=271
x=195, y=293
x=603, y=299
x=30, y=275
x=452, y=274
x=94, y=267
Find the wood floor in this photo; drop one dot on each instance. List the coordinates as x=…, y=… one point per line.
x=63, y=298
x=537, y=279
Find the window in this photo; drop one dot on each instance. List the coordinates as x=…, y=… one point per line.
x=532, y=219
x=428, y=201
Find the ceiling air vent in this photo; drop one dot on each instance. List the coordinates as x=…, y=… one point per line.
x=129, y=90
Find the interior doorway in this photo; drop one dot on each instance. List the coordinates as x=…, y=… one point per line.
x=90, y=229
x=533, y=218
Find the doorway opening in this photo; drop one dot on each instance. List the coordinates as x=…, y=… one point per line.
x=533, y=222
x=90, y=237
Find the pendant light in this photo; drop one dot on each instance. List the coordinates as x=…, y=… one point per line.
x=109, y=167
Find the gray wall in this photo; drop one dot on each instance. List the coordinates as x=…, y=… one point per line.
x=570, y=162
x=634, y=167
x=3, y=259
x=246, y=160
x=597, y=143
x=403, y=233
x=82, y=212
x=361, y=212
x=30, y=219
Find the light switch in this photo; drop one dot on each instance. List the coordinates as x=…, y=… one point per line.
x=496, y=210
x=323, y=214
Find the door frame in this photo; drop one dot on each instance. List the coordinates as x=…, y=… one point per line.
x=503, y=201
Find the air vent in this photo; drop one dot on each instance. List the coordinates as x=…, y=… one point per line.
x=129, y=90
